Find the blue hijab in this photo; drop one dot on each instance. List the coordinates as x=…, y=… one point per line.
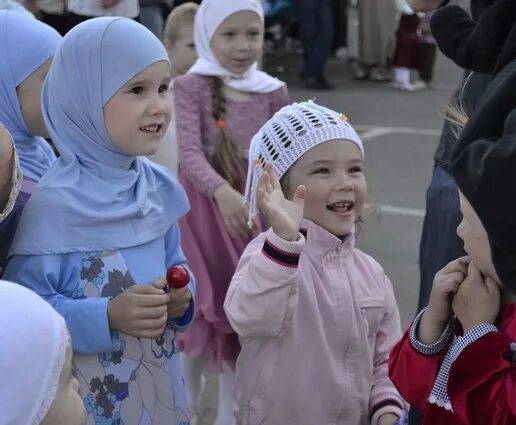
x=25, y=45
x=96, y=197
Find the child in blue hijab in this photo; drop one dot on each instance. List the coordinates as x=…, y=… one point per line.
x=98, y=235
x=26, y=48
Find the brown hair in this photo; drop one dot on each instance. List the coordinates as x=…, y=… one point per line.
x=180, y=16
x=227, y=150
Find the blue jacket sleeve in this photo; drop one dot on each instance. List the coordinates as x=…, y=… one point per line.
x=175, y=257
x=56, y=279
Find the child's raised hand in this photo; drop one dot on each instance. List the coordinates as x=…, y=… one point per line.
x=233, y=209
x=179, y=299
x=446, y=284
x=477, y=301
x=284, y=216
x=140, y=311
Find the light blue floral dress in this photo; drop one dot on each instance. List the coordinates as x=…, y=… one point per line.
x=123, y=380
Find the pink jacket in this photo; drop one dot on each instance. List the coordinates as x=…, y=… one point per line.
x=317, y=319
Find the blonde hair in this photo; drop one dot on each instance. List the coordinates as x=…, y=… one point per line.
x=457, y=116
x=180, y=17
x=227, y=151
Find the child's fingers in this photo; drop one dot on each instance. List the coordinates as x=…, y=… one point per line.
x=449, y=286
x=455, y=276
x=152, y=324
x=299, y=196
x=458, y=265
x=263, y=202
x=264, y=181
x=180, y=295
x=152, y=300
x=152, y=312
x=160, y=283
x=274, y=180
x=492, y=286
x=474, y=273
x=145, y=290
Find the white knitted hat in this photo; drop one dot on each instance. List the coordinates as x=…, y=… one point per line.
x=288, y=135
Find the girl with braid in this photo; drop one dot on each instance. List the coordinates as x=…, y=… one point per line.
x=220, y=104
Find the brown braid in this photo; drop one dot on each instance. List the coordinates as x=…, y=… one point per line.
x=227, y=151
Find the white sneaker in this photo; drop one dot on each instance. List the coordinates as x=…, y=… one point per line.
x=403, y=86
x=421, y=85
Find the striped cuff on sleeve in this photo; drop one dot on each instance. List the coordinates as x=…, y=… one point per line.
x=282, y=252
x=436, y=347
x=386, y=406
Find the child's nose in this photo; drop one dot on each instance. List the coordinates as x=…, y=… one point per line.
x=460, y=230
x=345, y=183
x=243, y=44
x=159, y=106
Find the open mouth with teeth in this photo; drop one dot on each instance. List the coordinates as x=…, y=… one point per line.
x=152, y=129
x=341, y=207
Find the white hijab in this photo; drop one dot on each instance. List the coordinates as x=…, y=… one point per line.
x=210, y=15
x=33, y=343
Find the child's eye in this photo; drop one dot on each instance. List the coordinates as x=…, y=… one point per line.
x=356, y=170
x=137, y=90
x=228, y=34
x=323, y=170
x=255, y=33
x=163, y=88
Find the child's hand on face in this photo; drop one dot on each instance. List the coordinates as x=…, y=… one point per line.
x=477, y=300
x=179, y=299
x=139, y=311
x=284, y=216
x=233, y=209
x=446, y=284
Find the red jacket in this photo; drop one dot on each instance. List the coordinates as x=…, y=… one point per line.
x=482, y=379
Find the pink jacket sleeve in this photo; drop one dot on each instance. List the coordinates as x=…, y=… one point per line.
x=263, y=293
x=384, y=396
x=192, y=161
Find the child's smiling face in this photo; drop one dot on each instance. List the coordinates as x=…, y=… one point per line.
x=336, y=187
x=138, y=115
x=238, y=42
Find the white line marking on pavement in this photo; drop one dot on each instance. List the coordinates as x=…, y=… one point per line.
x=390, y=209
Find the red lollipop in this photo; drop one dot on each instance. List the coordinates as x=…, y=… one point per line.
x=177, y=278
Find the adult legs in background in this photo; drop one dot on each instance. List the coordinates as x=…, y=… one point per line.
x=316, y=33
x=152, y=18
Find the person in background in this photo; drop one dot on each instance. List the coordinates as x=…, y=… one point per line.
x=427, y=52
x=82, y=10
x=27, y=47
x=316, y=33
x=180, y=45
x=220, y=104
x=378, y=21
x=151, y=15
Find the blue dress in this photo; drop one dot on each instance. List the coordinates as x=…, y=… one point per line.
x=124, y=380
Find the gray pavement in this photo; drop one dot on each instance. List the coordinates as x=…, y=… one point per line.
x=401, y=131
